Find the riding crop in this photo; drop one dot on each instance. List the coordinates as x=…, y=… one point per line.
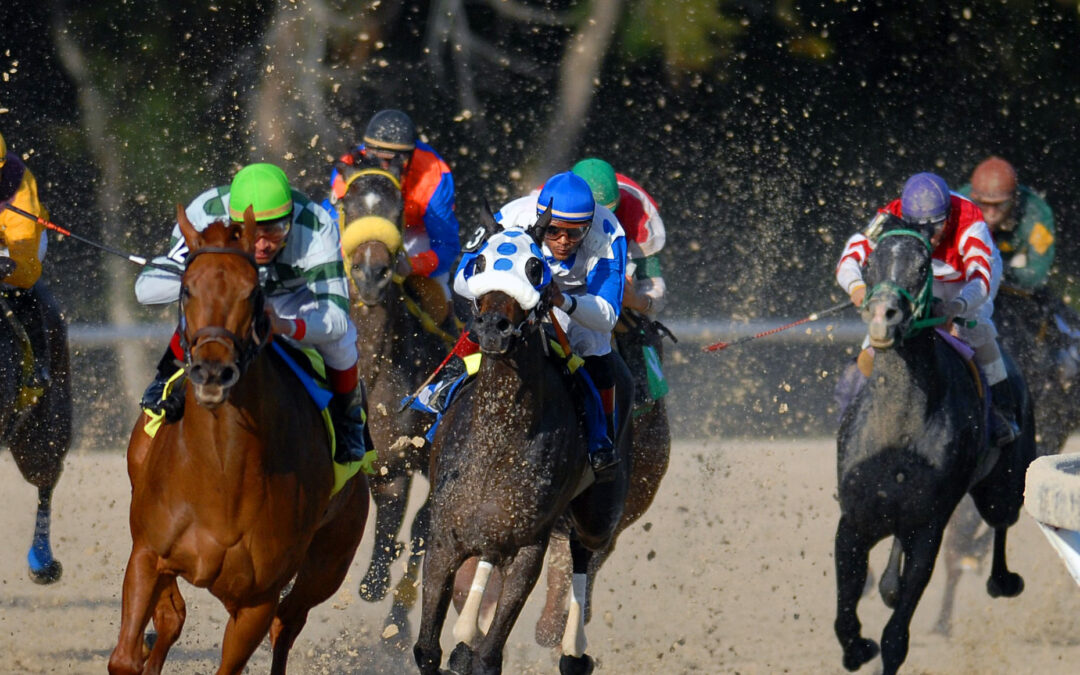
x=430, y=378
x=138, y=260
x=813, y=317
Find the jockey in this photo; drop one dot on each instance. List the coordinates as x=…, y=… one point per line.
x=586, y=249
x=637, y=213
x=1020, y=220
x=298, y=253
x=431, y=237
x=22, y=249
x=967, y=272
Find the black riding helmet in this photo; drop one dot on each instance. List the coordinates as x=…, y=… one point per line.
x=391, y=130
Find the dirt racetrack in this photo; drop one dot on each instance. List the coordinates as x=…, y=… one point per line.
x=730, y=572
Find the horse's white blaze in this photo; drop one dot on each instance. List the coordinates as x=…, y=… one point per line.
x=467, y=626
x=573, y=640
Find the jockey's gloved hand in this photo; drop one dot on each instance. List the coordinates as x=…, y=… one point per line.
x=950, y=309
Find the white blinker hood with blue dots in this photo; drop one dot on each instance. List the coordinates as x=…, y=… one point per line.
x=506, y=255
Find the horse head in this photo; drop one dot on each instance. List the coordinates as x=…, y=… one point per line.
x=222, y=321
x=512, y=285
x=899, y=275
x=371, y=212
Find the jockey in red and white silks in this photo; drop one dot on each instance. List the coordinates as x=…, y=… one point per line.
x=967, y=266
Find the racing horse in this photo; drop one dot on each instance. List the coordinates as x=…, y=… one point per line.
x=235, y=497
x=509, y=458
x=36, y=425
x=396, y=352
x=912, y=443
x=649, y=455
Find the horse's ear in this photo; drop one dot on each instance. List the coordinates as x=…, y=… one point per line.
x=248, y=240
x=536, y=231
x=192, y=237
x=487, y=227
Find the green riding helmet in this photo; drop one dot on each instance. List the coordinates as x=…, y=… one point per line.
x=263, y=187
x=601, y=179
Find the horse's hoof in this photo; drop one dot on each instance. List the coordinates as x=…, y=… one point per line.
x=461, y=660
x=1010, y=585
x=576, y=665
x=48, y=574
x=860, y=651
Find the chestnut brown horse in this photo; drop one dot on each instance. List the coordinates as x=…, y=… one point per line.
x=396, y=353
x=509, y=459
x=236, y=496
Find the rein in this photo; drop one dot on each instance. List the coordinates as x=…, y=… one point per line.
x=920, y=304
x=246, y=349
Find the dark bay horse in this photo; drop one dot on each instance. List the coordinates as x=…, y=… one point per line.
x=236, y=496
x=36, y=426
x=396, y=354
x=650, y=451
x=509, y=459
x=910, y=446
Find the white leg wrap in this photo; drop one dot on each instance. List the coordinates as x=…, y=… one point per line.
x=467, y=626
x=573, y=641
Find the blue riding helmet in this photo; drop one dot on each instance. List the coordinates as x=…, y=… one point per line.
x=570, y=196
x=925, y=199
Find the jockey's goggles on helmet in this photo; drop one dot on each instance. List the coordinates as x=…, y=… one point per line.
x=573, y=234
x=274, y=229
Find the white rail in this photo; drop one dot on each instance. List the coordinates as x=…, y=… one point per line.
x=690, y=331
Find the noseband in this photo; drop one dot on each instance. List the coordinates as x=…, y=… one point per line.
x=245, y=349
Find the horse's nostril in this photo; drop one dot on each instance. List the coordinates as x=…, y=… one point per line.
x=197, y=374
x=229, y=376
x=890, y=314
x=503, y=325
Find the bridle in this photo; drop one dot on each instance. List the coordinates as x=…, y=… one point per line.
x=246, y=349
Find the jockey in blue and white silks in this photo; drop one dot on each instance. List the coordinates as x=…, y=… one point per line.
x=585, y=247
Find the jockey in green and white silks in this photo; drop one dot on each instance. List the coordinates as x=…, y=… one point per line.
x=298, y=255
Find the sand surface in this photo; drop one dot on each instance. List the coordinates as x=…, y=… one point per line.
x=731, y=571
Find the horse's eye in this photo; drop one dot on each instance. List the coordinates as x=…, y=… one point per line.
x=534, y=271
x=481, y=263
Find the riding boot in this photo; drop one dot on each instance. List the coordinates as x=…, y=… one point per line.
x=1004, y=428
x=602, y=453
x=155, y=398
x=351, y=435
x=440, y=390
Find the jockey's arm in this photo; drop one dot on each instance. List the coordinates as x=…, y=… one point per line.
x=982, y=267
x=1029, y=267
x=646, y=283
x=442, y=226
x=598, y=307
x=154, y=286
x=849, y=270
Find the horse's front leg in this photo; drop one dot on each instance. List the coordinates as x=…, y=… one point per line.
x=920, y=552
x=851, y=562
x=440, y=563
x=519, y=578
x=246, y=628
x=169, y=614
x=405, y=593
x=574, y=659
x=140, y=589
x=552, y=621
x=1002, y=582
